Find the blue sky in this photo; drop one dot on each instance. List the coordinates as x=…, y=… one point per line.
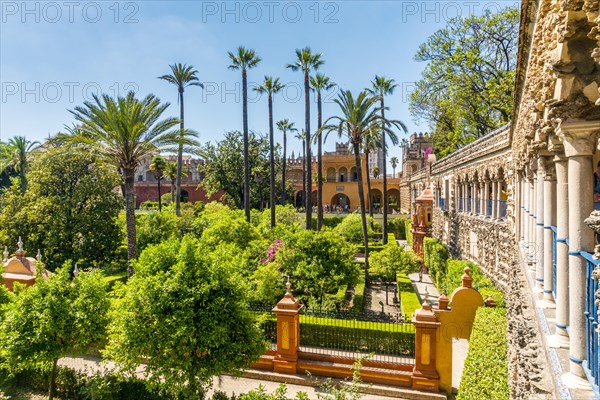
x=54, y=55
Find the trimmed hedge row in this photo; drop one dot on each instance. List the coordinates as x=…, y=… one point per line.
x=408, y=297
x=398, y=227
x=485, y=375
x=435, y=256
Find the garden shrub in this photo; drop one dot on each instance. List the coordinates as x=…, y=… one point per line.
x=397, y=226
x=149, y=205
x=435, y=258
x=351, y=228
x=485, y=375
x=408, y=231
x=155, y=227
x=359, y=294
x=481, y=282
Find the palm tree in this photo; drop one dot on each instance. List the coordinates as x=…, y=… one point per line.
x=356, y=118
x=15, y=155
x=182, y=76
x=382, y=87
x=158, y=165
x=123, y=132
x=271, y=86
x=285, y=126
x=302, y=137
x=171, y=173
x=244, y=60
x=371, y=144
x=305, y=61
x=394, y=162
x=318, y=83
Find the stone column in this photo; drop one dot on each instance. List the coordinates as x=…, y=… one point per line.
x=531, y=225
x=539, y=225
x=578, y=140
x=525, y=191
x=288, y=331
x=549, y=221
x=562, y=252
x=495, y=204
x=486, y=198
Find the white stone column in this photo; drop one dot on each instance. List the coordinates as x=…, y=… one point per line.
x=549, y=221
x=525, y=192
x=578, y=141
x=531, y=225
x=473, y=196
x=486, y=198
x=495, y=204
x=539, y=225
x=562, y=251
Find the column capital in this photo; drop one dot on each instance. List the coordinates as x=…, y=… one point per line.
x=578, y=136
x=547, y=167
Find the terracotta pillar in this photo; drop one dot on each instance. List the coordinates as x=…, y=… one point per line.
x=288, y=333
x=425, y=375
x=578, y=141
x=539, y=224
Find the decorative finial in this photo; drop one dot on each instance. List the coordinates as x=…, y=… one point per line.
x=5, y=254
x=288, y=285
x=20, y=244
x=75, y=271
x=467, y=281
x=38, y=256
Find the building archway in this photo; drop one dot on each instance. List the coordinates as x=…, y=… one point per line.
x=376, y=199
x=300, y=199
x=340, y=200
x=394, y=199
x=343, y=174
x=331, y=174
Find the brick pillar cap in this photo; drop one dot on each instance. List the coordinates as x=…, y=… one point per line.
x=443, y=301
x=288, y=302
x=467, y=281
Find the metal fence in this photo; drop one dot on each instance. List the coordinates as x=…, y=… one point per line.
x=388, y=338
x=591, y=321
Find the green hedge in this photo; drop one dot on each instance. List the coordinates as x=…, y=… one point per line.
x=328, y=221
x=485, y=375
x=149, y=205
x=359, y=294
x=481, y=282
x=76, y=385
x=408, y=231
x=435, y=257
x=398, y=227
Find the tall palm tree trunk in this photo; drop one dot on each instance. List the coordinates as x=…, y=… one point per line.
x=23, y=178
x=319, y=166
x=363, y=215
x=129, y=177
x=283, y=169
x=159, y=198
x=246, y=156
x=308, y=152
x=304, y=172
x=272, y=162
x=384, y=239
x=179, y=156
x=370, y=195
x=172, y=191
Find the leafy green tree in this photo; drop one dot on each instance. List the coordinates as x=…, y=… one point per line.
x=382, y=87
x=222, y=171
x=306, y=61
x=271, y=86
x=182, y=76
x=372, y=142
x=171, y=173
x=16, y=156
x=318, y=262
x=123, y=132
x=284, y=126
x=189, y=321
x=54, y=318
x=158, y=165
x=351, y=228
x=302, y=137
x=466, y=88
x=393, y=260
x=244, y=60
x=319, y=83
x=69, y=211
x=156, y=227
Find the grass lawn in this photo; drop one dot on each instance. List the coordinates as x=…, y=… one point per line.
x=408, y=297
x=114, y=278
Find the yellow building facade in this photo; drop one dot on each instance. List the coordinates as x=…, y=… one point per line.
x=340, y=182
